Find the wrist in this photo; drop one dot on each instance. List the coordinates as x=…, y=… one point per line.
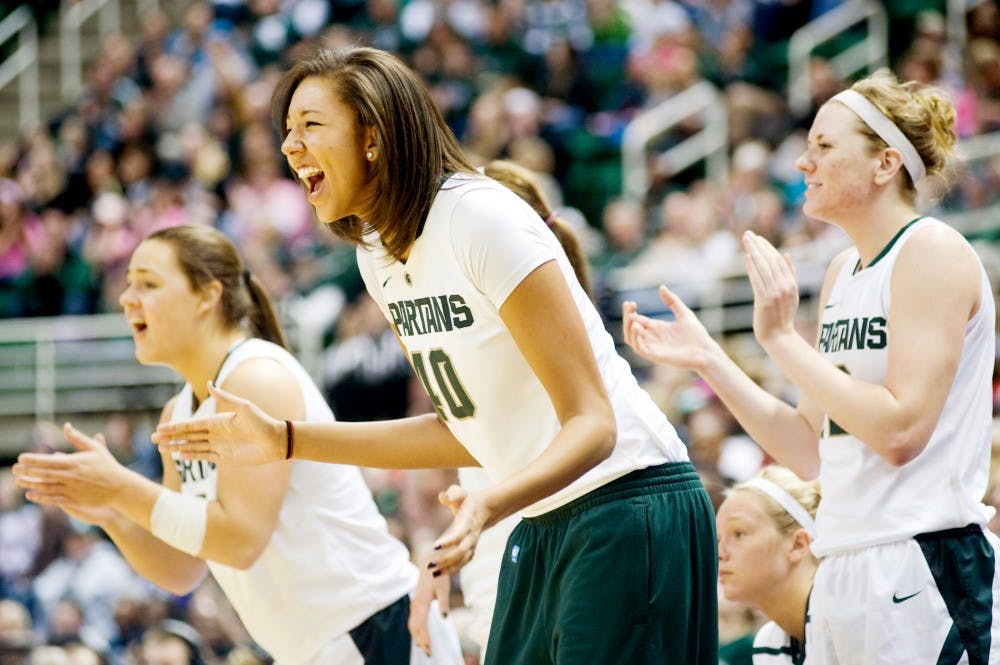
x=778, y=340
x=289, y=439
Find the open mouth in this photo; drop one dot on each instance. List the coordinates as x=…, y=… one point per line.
x=312, y=179
x=138, y=327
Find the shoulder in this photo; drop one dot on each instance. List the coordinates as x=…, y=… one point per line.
x=936, y=254
x=168, y=409
x=935, y=237
x=837, y=264
x=265, y=381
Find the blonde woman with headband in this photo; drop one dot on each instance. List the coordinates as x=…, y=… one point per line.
x=895, y=410
x=766, y=527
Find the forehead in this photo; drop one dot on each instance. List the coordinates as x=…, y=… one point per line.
x=154, y=256
x=744, y=506
x=315, y=94
x=835, y=119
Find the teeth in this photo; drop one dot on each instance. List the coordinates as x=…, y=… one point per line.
x=307, y=172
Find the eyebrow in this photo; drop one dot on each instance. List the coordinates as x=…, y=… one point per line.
x=288, y=116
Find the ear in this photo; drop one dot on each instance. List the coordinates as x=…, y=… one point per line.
x=799, y=546
x=889, y=164
x=370, y=143
x=211, y=296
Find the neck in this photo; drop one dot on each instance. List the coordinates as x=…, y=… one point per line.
x=871, y=231
x=203, y=362
x=787, y=605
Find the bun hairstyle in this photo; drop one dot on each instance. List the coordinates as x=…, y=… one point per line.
x=805, y=493
x=205, y=254
x=923, y=113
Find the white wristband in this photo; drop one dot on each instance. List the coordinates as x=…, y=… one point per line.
x=180, y=520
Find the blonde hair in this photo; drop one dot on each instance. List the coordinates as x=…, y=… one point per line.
x=923, y=113
x=805, y=493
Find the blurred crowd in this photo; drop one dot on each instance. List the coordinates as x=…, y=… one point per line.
x=174, y=128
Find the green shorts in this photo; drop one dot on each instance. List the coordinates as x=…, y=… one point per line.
x=624, y=574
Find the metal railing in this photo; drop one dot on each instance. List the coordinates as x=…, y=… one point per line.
x=22, y=64
x=870, y=53
x=710, y=143
x=55, y=367
x=70, y=27
x=75, y=364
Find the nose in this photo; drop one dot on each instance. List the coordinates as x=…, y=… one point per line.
x=127, y=298
x=803, y=163
x=291, y=144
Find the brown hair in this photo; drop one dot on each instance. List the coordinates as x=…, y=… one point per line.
x=205, y=254
x=416, y=147
x=923, y=113
x=524, y=183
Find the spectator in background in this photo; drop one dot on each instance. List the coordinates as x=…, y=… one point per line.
x=16, y=634
x=89, y=573
x=172, y=642
x=20, y=540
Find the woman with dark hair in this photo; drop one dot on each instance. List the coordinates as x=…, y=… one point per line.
x=298, y=547
x=524, y=377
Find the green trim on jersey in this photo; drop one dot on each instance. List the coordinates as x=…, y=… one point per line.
x=885, y=250
x=962, y=563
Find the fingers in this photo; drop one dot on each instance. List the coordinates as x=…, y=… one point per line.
x=452, y=551
x=673, y=301
x=772, y=267
x=40, y=489
x=629, y=310
x=192, y=431
x=442, y=593
x=46, y=499
x=187, y=450
x=80, y=440
x=453, y=497
x=417, y=625
x=224, y=400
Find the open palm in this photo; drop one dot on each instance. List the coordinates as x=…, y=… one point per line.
x=683, y=342
x=242, y=435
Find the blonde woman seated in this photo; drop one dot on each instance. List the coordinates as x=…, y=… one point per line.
x=765, y=528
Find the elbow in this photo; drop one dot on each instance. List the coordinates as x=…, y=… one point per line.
x=606, y=434
x=904, y=447
x=182, y=585
x=244, y=557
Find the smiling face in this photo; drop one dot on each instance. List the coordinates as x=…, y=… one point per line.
x=159, y=303
x=838, y=164
x=327, y=150
x=753, y=553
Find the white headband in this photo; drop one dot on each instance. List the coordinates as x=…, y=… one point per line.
x=785, y=500
x=886, y=130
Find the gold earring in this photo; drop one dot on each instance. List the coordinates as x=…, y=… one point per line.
x=370, y=155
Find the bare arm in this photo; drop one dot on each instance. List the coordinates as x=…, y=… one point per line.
x=560, y=354
x=247, y=435
x=240, y=520
x=789, y=434
x=934, y=269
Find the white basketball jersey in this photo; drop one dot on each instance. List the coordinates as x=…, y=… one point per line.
x=773, y=646
x=479, y=241
x=867, y=501
x=330, y=563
